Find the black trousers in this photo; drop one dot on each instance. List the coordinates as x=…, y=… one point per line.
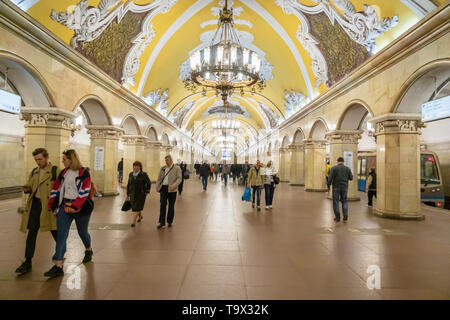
x=370, y=194
x=34, y=224
x=167, y=197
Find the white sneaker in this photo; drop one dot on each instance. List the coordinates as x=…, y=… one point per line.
x=270, y=207
x=267, y=207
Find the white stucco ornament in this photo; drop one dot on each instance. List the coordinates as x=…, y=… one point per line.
x=90, y=22
x=362, y=27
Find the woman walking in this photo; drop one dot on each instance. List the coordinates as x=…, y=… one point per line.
x=137, y=189
x=269, y=185
x=255, y=180
x=70, y=191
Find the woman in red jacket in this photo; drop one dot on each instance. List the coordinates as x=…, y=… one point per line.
x=67, y=197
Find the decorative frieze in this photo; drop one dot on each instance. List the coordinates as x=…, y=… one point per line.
x=105, y=132
x=395, y=123
x=344, y=136
x=134, y=140
x=296, y=147
x=49, y=117
x=315, y=143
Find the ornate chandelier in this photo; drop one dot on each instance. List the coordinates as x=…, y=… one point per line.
x=225, y=65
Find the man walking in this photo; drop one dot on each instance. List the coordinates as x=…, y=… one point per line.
x=338, y=178
x=204, y=173
x=245, y=170
x=37, y=217
x=168, y=180
x=120, y=170
x=225, y=171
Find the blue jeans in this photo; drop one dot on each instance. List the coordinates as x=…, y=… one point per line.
x=257, y=191
x=225, y=178
x=120, y=176
x=64, y=220
x=340, y=194
x=269, y=194
x=204, y=182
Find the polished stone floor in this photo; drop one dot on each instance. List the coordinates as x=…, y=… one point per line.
x=221, y=248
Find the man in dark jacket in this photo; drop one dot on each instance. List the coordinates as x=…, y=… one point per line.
x=205, y=171
x=120, y=170
x=338, y=178
x=245, y=170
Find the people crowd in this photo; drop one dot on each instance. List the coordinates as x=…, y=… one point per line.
x=57, y=197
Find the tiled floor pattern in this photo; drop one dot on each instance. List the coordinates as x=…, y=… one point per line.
x=221, y=248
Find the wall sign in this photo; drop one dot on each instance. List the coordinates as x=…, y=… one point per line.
x=9, y=102
x=348, y=159
x=436, y=109
x=99, y=158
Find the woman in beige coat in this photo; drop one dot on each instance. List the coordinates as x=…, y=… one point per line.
x=255, y=180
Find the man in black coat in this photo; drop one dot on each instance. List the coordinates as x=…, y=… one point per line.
x=205, y=171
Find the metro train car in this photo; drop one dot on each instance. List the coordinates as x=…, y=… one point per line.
x=431, y=187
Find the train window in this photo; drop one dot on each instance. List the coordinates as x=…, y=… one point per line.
x=363, y=166
x=428, y=169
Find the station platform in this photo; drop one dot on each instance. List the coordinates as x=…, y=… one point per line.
x=221, y=248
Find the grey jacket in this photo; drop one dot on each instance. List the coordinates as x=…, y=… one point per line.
x=174, y=177
x=339, y=176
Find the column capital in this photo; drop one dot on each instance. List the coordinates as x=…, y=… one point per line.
x=153, y=144
x=49, y=118
x=296, y=146
x=315, y=143
x=134, y=139
x=397, y=123
x=343, y=136
x=106, y=132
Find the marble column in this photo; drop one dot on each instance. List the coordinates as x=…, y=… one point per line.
x=315, y=155
x=297, y=173
x=133, y=150
x=398, y=166
x=104, y=172
x=47, y=128
x=284, y=164
x=341, y=142
x=152, y=159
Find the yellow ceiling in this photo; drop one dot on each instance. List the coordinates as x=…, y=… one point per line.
x=287, y=73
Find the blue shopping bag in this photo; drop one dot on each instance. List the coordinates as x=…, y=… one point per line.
x=247, y=196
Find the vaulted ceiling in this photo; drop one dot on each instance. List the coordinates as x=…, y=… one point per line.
x=309, y=45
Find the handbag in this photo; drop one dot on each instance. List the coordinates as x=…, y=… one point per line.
x=126, y=205
x=276, y=180
x=186, y=175
x=247, y=196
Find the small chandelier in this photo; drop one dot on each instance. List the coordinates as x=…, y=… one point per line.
x=225, y=65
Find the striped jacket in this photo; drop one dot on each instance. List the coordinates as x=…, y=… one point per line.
x=83, y=185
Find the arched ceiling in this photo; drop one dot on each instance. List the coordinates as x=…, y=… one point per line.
x=309, y=44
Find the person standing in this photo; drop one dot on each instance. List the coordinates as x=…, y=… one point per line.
x=216, y=170
x=269, y=185
x=245, y=170
x=204, y=173
x=138, y=188
x=327, y=171
x=168, y=180
x=120, y=170
x=371, y=186
x=338, y=178
x=211, y=172
x=37, y=217
x=197, y=168
x=225, y=172
x=255, y=180
x=182, y=166
x=70, y=191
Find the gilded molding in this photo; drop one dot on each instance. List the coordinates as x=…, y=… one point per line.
x=397, y=123
x=49, y=117
x=105, y=132
x=315, y=143
x=134, y=140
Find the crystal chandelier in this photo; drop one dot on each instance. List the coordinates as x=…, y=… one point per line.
x=225, y=65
